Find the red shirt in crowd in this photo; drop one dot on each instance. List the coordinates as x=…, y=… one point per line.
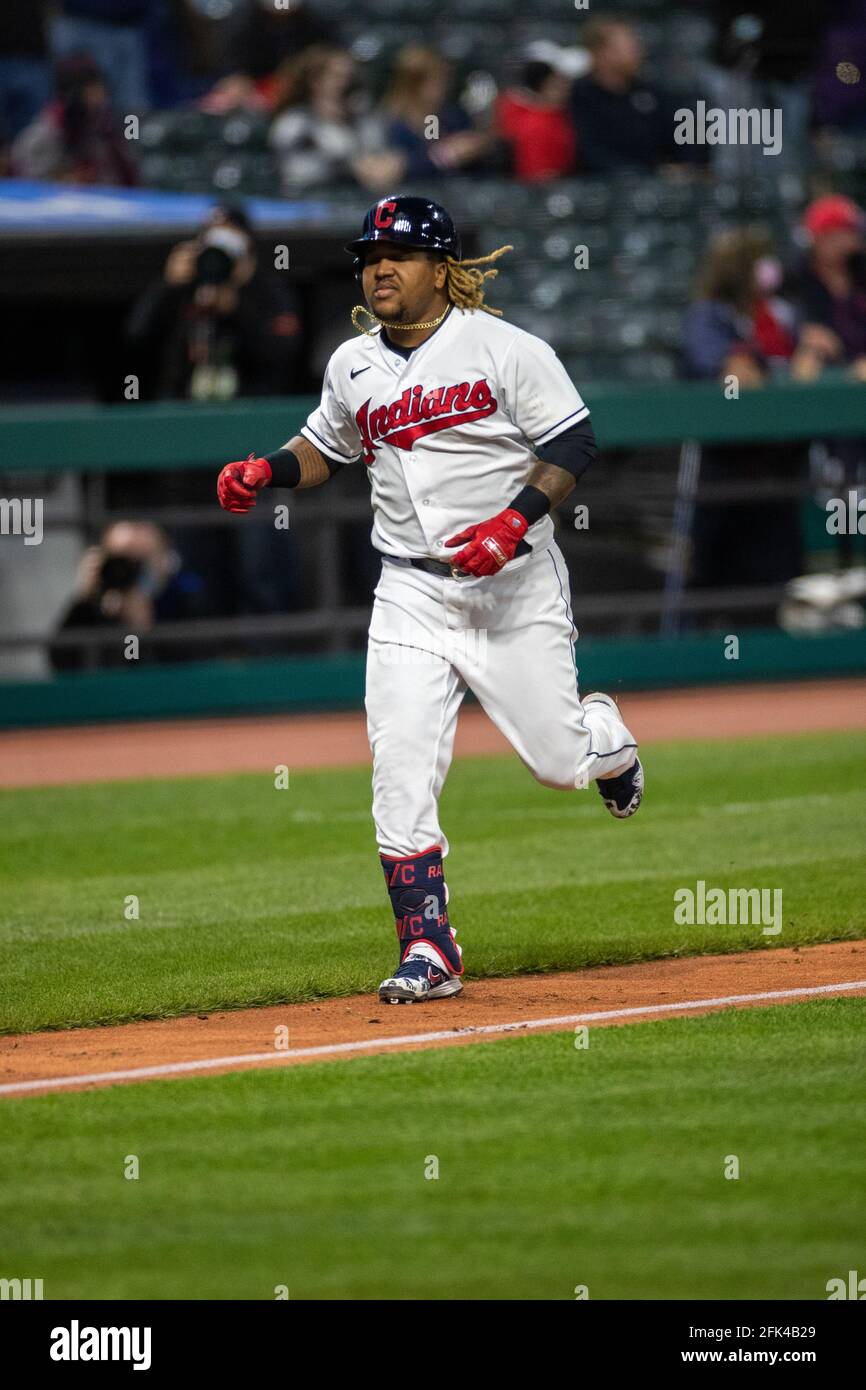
x=542, y=137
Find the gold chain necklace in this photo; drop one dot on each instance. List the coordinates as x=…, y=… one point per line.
x=398, y=327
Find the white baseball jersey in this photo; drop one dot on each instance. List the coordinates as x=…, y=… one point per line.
x=448, y=435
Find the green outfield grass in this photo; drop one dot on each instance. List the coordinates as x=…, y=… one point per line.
x=250, y=895
x=558, y=1167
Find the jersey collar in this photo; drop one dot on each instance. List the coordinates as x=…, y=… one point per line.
x=397, y=358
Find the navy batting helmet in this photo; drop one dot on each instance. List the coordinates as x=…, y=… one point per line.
x=408, y=221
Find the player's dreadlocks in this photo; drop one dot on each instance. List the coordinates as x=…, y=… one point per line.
x=465, y=283
x=464, y=286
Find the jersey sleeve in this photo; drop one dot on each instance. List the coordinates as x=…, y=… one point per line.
x=330, y=427
x=540, y=397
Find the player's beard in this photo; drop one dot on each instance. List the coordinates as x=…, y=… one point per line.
x=391, y=313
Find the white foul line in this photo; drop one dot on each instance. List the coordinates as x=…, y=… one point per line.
x=449, y=1035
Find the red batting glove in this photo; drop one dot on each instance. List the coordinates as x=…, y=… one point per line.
x=238, y=483
x=491, y=543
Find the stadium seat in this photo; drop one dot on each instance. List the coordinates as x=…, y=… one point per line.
x=336, y=9
x=185, y=173
x=154, y=129
x=405, y=11
x=245, y=130
x=375, y=47
x=243, y=173
x=154, y=170
x=648, y=367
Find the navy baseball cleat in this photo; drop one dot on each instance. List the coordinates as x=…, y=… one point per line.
x=417, y=980
x=622, y=795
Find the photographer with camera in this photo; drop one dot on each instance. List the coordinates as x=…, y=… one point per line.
x=131, y=582
x=214, y=326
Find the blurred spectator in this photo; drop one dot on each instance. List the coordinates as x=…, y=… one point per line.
x=131, y=582
x=831, y=294
x=571, y=62
x=234, y=92
x=840, y=70
x=214, y=325
x=831, y=288
x=182, y=54
x=267, y=40
x=25, y=73
x=433, y=135
x=114, y=34
x=738, y=327
x=622, y=121
x=271, y=34
x=76, y=139
x=321, y=134
x=766, y=41
x=533, y=118
x=762, y=59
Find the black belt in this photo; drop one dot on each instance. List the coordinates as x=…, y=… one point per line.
x=441, y=567
x=433, y=567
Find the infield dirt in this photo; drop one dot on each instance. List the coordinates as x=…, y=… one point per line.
x=337, y=1029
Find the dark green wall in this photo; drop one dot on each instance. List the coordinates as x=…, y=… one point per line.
x=319, y=683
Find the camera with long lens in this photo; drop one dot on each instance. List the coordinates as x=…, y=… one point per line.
x=119, y=573
x=222, y=248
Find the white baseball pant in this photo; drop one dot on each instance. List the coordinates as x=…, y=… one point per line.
x=510, y=639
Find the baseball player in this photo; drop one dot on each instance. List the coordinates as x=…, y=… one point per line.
x=471, y=432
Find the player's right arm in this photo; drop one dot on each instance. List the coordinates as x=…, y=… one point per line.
x=298, y=464
x=327, y=442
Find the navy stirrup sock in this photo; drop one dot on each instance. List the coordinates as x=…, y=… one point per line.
x=416, y=886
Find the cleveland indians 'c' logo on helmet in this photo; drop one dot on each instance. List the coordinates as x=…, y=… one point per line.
x=417, y=413
x=383, y=217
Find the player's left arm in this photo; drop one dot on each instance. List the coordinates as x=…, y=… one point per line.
x=566, y=459
x=548, y=408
